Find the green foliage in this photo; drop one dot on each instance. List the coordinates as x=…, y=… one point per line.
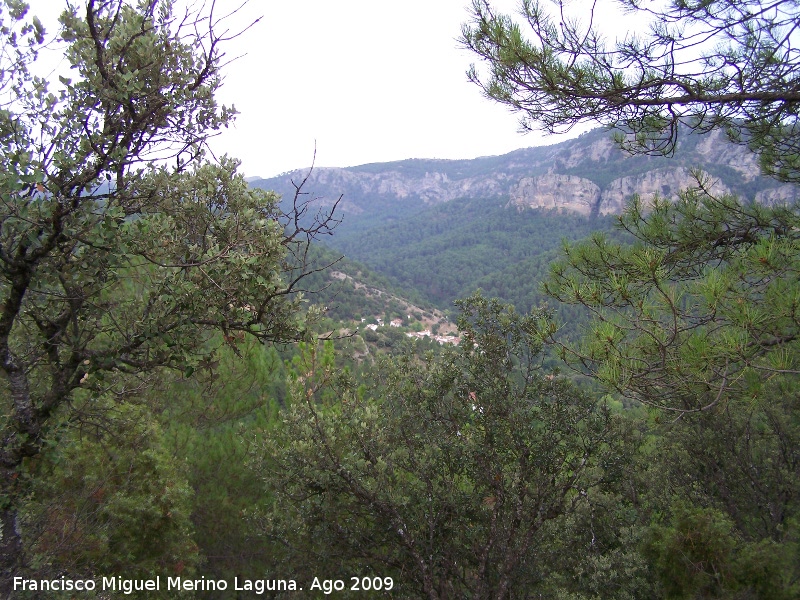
x=440, y=473
x=449, y=251
x=595, y=554
x=698, y=320
x=698, y=554
x=112, y=263
x=209, y=422
x=350, y=290
x=109, y=499
x=557, y=69
x=702, y=308
x=136, y=298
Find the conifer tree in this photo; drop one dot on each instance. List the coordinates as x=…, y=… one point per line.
x=697, y=317
x=699, y=64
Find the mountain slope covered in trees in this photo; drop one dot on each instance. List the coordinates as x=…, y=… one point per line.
x=449, y=250
x=193, y=391
x=588, y=175
x=441, y=229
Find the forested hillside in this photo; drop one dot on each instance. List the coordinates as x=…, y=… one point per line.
x=449, y=250
x=588, y=175
x=442, y=229
x=201, y=397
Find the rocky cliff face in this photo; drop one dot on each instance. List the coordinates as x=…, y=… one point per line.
x=431, y=187
x=583, y=196
x=588, y=175
x=558, y=192
x=715, y=148
x=666, y=183
x=783, y=194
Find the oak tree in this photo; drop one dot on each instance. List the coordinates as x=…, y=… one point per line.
x=443, y=473
x=122, y=250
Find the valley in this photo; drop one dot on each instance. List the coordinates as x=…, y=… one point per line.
x=438, y=230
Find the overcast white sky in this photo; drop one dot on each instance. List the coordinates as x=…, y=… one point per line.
x=369, y=80
x=364, y=80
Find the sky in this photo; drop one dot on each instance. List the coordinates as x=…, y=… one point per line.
x=361, y=81
x=364, y=81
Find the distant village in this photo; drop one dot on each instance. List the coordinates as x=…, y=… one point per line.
x=442, y=339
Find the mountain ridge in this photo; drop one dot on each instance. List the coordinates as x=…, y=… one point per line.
x=587, y=175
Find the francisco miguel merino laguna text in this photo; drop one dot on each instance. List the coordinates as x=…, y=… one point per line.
x=128, y=586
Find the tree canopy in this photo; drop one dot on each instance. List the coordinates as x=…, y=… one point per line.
x=704, y=64
x=696, y=315
x=446, y=474
x=122, y=250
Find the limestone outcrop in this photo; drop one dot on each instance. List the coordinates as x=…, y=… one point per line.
x=556, y=192
x=588, y=175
